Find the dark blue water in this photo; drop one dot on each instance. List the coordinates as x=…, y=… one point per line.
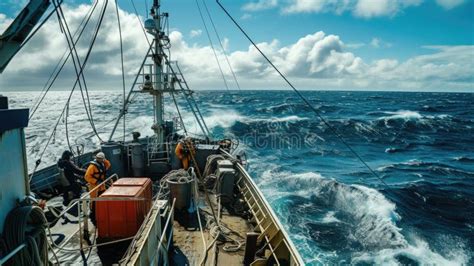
x=420, y=144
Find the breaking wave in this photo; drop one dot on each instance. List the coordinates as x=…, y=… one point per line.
x=361, y=222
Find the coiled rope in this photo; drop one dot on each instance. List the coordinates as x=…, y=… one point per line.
x=26, y=225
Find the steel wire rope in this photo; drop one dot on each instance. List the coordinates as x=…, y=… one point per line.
x=121, y=60
x=140, y=21
x=65, y=29
x=331, y=128
x=220, y=43
x=47, y=87
x=38, y=162
x=212, y=45
x=72, y=46
x=179, y=113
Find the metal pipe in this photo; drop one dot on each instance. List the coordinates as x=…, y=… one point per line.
x=76, y=201
x=12, y=253
x=158, y=248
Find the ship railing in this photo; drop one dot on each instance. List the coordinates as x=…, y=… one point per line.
x=158, y=152
x=83, y=206
x=85, y=199
x=165, y=238
x=270, y=231
x=148, y=70
x=153, y=241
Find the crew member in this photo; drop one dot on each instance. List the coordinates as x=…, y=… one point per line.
x=69, y=173
x=95, y=175
x=185, y=152
x=147, y=85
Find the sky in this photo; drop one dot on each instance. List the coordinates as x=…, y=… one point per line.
x=407, y=45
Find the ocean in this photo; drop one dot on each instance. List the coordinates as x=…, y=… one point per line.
x=420, y=144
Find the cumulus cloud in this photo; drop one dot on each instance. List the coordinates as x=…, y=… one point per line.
x=378, y=43
x=316, y=6
x=359, y=8
x=321, y=59
x=260, y=5
x=246, y=16
x=37, y=59
x=449, y=4
x=315, y=61
x=195, y=33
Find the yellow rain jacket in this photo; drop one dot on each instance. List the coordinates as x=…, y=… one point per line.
x=185, y=152
x=95, y=175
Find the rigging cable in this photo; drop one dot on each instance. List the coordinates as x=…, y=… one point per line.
x=38, y=162
x=80, y=74
x=212, y=45
x=179, y=113
x=121, y=60
x=220, y=43
x=140, y=21
x=67, y=129
x=333, y=130
x=47, y=87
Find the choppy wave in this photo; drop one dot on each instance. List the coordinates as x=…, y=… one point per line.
x=356, y=217
x=422, y=149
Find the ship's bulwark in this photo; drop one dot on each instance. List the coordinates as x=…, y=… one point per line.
x=420, y=143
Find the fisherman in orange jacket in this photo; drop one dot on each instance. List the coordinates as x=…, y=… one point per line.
x=185, y=151
x=95, y=175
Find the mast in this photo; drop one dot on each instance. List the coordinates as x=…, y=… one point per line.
x=159, y=87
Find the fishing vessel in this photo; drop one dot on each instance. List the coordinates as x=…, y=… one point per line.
x=171, y=199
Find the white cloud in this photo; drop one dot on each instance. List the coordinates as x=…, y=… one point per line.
x=356, y=45
x=359, y=8
x=449, y=4
x=379, y=43
x=246, y=16
x=321, y=59
x=375, y=42
x=195, y=33
x=260, y=5
x=39, y=56
x=317, y=60
x=371, y=8
x=316, y=6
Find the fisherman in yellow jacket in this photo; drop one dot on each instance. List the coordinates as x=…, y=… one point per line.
x=185, y=152
x=96, y=174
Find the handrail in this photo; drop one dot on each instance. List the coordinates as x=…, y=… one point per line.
x=265, y=207
x=81, y=199
x=76, y=201
x=165, y=228
x=73, y=202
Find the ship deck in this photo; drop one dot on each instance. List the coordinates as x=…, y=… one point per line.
x=208, y=232
x=212, y=252
x=192, y=246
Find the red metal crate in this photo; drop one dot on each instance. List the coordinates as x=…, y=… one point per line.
x=138, y=181
x=121, y=218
